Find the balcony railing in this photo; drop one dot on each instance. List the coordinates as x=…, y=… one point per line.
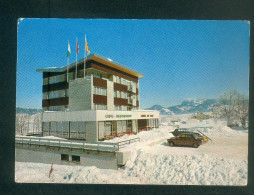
x=74, y=144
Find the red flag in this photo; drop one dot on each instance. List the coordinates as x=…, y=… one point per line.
x=77, y=47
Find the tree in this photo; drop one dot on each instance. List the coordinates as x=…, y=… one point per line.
x=233, y=107
x=242, y=110
x=21, y=121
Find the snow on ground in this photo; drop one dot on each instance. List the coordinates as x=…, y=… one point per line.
x=222, y=161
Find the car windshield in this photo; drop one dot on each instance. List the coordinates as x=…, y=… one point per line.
x=195, y=136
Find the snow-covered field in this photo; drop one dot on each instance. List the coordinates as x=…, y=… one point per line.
x=222, y=161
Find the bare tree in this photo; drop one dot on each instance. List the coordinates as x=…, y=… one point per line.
x=21, y=121
x=242, y=110
x=233, y=108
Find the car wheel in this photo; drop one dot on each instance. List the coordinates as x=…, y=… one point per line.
x=195, y=145
x=171, y=143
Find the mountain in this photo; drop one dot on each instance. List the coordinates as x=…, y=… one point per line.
x=189, y=105
x=30, y=111
x=163, y=111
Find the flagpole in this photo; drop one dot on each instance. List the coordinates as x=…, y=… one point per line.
x=76, y=57
x=67, y=69
x=85, y=59
x=68, y=63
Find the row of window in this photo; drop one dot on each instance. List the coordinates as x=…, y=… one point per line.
x=55, y=108
x=63, y=77
x=64, y=126
x=108, y=129
x=120, y=94
x=66, y=157
x=121, y=107
x=56, y=94
x=66, y=129
x=123, y=81
x=100, y=91
x=100, y=107
x=54, y=79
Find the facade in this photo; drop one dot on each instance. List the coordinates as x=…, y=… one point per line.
x=98, y=101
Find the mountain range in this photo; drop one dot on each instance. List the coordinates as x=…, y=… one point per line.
x=30, y=111
x=189, y=105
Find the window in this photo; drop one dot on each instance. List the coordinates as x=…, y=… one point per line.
x=45, y=81
x=65, y=125
x=118, y=94
x=66, y=93
x=100, y=107
x=45, y=109
x=124, y=82
x=129, y=126
x=100, y=91
x=58, y=94
x=97, y=75
x=57, y=108
x=75, y=158
x=46, y=126
x=117, y=107
x=124, y=95
x=57, y=79
x=65, y=157
x=45, y=95
x=118, y=80
x=134, y=84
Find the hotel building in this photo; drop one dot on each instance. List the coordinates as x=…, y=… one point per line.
x=96, y=100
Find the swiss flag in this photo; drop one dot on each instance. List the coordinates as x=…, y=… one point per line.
x=77, y=48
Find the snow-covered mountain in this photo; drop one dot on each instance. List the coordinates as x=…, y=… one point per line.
x=163, y=111
x=189, y=105
x=30, y=111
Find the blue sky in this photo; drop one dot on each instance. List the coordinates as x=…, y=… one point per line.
x=180, y=59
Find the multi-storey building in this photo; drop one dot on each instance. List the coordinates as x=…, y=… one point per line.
x=93, y=100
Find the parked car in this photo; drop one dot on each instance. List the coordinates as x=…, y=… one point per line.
x=179, y=131
x=186, y=139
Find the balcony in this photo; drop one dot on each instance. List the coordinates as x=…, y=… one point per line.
x=99, y=82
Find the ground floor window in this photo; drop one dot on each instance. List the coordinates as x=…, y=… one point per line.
x=65, y=157
x=75, y=158
x=146, y=124
x=111, y=129
x=65, y=129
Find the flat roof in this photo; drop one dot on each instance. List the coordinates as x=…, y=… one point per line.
x=98, y=58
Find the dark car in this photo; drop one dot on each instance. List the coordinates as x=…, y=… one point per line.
x=179, y=131
x=186, y=139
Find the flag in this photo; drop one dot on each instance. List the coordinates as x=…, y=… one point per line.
x=69, y=50
x=77, y=47
x=87, y=49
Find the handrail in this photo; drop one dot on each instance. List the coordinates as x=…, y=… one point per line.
x=67, y=143
x=119, y=144
x=108, y=146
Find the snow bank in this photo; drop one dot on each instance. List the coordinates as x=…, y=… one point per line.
x=143, y=168
x=185, y=169
x=38, y=173
x=152, y=161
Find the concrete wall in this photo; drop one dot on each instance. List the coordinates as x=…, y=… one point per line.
x=110, y=95
x=80, y=94
x=122, y=157
x=91, y=131
x=98, y=159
